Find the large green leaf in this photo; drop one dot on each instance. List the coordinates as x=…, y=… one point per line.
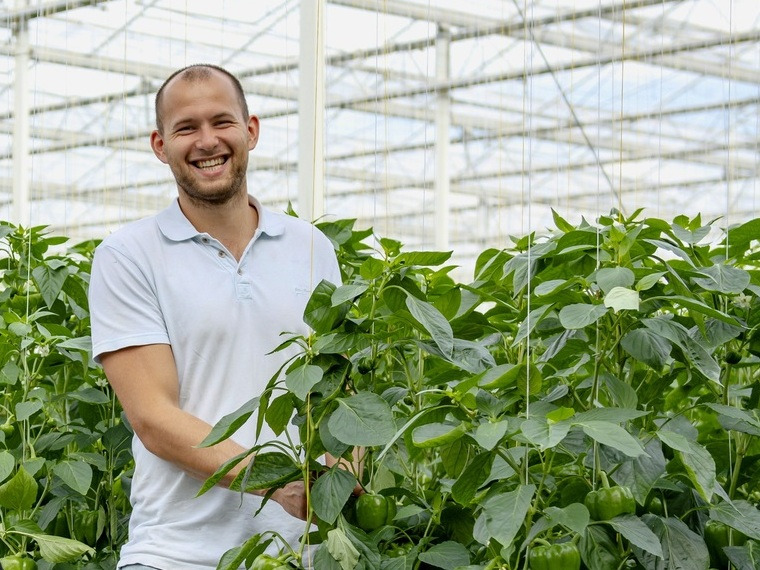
x=647, y=346
x=722, y=278
x=302, y=379
x=474, y=475
x=53, y=549
x=700, y=466
x=434, y=323
x=696, y=354
x=581, y=315
x=7, y=463
x=230, y=423
x=19, y=492
x=574, y=516
x=49, y=278
x=609, y=278
x=320, y=313
x=613, y=435
x=341, y=549
x=639, y=534
x=544, y=434
x=622, y=299
x=76, y=474
x=741, y=515
x=447, y=555
x=330, y=493
x=682, y=548
x=267, y=470
x=362, y=419
x=503, y=515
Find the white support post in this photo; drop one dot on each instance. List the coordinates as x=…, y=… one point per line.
x=21, y=159
x=311, y=111
x=442, y=139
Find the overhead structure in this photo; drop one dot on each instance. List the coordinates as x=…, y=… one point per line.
x=439, y=123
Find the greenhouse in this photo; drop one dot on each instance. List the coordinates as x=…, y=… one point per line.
x=505, y=255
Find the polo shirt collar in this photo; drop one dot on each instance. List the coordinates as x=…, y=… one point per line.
x=176, y=227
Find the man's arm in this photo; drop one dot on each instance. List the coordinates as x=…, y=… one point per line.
x=146, y=383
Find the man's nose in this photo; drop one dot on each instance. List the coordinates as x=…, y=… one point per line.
x=206, y=137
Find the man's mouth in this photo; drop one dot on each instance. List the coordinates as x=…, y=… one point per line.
x=211, y=163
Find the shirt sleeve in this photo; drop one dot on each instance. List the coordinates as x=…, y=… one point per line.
x=124, y=309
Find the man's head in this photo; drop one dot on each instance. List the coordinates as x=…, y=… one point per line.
x=205, y=134
x=193, y=73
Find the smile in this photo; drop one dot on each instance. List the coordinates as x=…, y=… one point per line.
x=210, y=163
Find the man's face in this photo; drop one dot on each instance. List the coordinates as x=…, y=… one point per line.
x=206, y=138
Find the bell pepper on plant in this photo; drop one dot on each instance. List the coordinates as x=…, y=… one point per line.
x=374, y=510
x=267, y=562
x=608, y=502
x=18, y=562
x=558, y=556
x=717, y=535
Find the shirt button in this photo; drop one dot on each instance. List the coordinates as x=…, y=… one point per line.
x=221, y=253
x=240, y=271
x=204, y=240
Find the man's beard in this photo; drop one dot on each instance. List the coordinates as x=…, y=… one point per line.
x=198, y=193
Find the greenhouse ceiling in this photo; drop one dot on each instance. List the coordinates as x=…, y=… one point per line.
x=446, y=124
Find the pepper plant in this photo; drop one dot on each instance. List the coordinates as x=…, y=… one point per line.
x=611, y=364
x=64, y=450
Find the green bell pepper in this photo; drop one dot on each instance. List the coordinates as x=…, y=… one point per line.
x=374, y=511
x=18, y=562
x=717, y=535
x=608, y=502
x=267, y=562
x=560, y=556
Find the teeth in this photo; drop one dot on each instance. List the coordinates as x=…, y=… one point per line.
x=210, y=163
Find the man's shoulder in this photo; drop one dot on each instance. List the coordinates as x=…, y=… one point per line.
x=131, y=233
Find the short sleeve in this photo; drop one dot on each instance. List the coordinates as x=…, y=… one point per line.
x=124, y=309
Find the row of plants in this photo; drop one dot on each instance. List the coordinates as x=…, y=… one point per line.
x=65, y=454
x=589, y=400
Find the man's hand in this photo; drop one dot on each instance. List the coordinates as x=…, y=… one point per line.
x=292, y=498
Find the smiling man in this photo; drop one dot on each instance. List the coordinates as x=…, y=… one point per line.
x=187, y=307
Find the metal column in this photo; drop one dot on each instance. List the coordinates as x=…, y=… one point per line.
x=311, y=111
x=442, y=139
x=21, y=160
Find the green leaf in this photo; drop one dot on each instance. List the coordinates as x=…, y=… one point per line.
x=732, y=418
x=7, y=463
x=741, y=515
x=574, y=516
x=503, y=515
x=25, y=410
x=447, y=555
x=609, y=278
x=639, y=534
x=362, y=419
x=612, y=435
x=580, y=315
x=423, y=258
x=647, y=346
x=544, y=434
x=597, y=549
x=320, y=314
x=682, y=548
x=434, y=323
x=649, y=280
x=230, y=423
x=330, y=493
x=20, y=492
x=437, y=434
x=622, y=298
x=302, y=379
x=723, y=279
x=348, y=293
x=489, y=434
x=700, y=466
x=697, y=306
x=49, y=278
x=53, y=549
x=474, y=475
x=342, y=551
x=267, y=470
x=90, y=395
x=76, y=474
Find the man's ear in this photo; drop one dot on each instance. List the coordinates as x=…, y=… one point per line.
x=253, y=131
x=157, y=144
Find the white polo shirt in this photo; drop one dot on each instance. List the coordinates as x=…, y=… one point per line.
x=160, y=281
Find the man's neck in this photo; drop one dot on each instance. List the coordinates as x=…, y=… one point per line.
x=233, y=223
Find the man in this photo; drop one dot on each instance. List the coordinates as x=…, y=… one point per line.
x=186, y=308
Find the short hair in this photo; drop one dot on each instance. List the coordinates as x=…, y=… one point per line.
x=199, y=72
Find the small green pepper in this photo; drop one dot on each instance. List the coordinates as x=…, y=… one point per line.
x=18, y=562
x=560, y=556
x=609, y=502
x=267, y=562
x=719, y=535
